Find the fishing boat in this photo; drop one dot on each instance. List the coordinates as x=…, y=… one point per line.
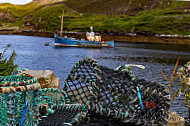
x=91, y=40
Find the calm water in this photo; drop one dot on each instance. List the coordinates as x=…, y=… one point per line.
x=32, y=54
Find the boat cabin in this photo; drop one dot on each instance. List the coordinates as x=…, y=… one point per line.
x=90, y=36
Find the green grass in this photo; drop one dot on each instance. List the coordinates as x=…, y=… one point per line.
x=160, y=19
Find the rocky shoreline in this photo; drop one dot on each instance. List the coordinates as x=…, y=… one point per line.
x=118, y=38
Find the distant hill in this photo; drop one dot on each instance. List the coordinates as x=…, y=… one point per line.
x=43, y=2
x=129, y=7
x=115, y=16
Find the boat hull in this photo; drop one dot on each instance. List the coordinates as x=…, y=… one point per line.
x=71, y=42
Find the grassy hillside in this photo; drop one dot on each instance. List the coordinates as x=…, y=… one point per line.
x=129, y=7
x=116, y=16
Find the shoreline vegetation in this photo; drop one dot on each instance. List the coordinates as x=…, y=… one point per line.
x=158, y=21
x=127, y=37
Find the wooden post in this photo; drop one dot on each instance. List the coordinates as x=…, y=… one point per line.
x=62, y=23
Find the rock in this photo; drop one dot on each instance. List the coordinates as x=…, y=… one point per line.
x=46, y=78
x=175, y=120
x=7, y=16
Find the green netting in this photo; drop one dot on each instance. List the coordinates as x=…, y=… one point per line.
x=16, y=91
x=67, y=114
x=59, y=110
x=16, y=80
x=52, y=96
x=3, y=110
x=28, y=120
x=18, y=104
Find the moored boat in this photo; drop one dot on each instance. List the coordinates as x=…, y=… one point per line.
x=92, y=40
x=64, y=41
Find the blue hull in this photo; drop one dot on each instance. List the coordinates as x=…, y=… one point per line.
x=60, y=41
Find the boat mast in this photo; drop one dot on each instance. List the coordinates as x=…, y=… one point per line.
x=62, y=23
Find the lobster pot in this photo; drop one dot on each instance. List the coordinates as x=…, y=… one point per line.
x=57, y=110
x=117, y=95
x=64, y=115
x=3, y=109
x=51, y=96
x=17, y=100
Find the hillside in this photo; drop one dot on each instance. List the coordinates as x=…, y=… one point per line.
x=43, y=2
x=115, y=16
x=129, y=7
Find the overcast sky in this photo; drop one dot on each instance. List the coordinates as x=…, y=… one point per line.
x=15, y=1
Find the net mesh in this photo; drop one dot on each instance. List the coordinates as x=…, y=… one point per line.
x=67, y=114
x=114, y=94
x=21, y=99
x=93, y=95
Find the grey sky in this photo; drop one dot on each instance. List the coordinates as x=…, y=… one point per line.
x=15, y=1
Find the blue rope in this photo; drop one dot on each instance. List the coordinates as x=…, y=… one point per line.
x=24, y=112
x=139, y=96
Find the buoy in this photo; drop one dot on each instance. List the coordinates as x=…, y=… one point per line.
x=46, y=44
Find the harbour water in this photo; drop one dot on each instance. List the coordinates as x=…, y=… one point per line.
x=32, y=54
